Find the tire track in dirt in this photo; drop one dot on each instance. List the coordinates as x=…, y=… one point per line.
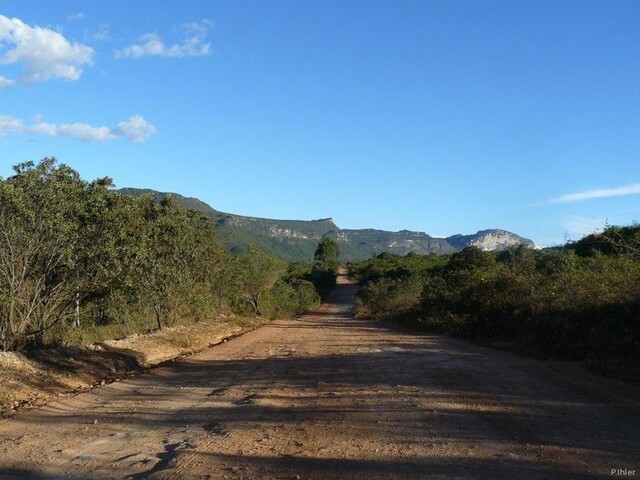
x=329, y=396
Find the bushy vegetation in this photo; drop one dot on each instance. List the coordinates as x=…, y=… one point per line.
x=325, y=265
x=76, y=256
x=581, y=301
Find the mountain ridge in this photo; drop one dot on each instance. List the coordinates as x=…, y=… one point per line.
x=296, y=240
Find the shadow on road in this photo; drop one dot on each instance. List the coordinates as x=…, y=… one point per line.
x=470, y=412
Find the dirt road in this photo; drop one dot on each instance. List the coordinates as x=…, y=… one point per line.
x=327, y=396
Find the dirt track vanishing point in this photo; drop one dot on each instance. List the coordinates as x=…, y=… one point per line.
x=328, y=396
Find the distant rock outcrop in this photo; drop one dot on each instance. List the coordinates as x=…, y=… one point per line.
x=296, y=240
x=494, y=239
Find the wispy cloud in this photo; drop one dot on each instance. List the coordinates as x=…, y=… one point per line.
x=103, y=34
x=601, y=193
x=41, y=52
x=136, y=129
x=191, y=45
x=5, y=82
x=76, y=16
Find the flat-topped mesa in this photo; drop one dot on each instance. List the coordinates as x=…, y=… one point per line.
x=296, y=240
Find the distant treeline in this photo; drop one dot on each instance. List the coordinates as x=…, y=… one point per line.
x=580, y=301
x=76, y=257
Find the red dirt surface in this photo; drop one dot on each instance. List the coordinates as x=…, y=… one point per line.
x=329, y=396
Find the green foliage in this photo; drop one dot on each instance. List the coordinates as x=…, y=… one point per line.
x=392, y=265
x=288, y=299
x=400, y=295
x=41, y=248
x=298, y=270
x=573, y=303
x=612, y=241
x=257, y=273
x=325, y=265
x=177, y=247
x=327, y=255
x=77, y=257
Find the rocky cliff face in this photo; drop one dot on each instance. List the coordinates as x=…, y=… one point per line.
x=494, y=239
x=374, y=242
x=296, y=240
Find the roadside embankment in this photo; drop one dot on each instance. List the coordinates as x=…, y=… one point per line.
x=29, y=379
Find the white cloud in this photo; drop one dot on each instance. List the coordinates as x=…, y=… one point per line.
x=76, y=16
x=9, y=124
x=5, y=82
x=77, y=131
x=192, y=45
x=602, y=193
x=135, y=128
x=43, y=53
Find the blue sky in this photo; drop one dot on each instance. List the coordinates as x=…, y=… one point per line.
x=445, y=117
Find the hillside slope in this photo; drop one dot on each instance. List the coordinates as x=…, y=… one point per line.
x=296, y=240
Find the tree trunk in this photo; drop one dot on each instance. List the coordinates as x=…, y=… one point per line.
x=158, y=314
x=76, y=313
x=255, y=302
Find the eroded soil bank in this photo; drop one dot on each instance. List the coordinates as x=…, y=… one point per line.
x=30, y=379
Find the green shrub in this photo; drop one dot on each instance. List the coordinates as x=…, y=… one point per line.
x=580, y=302
x=286, y=300
x=79, y=262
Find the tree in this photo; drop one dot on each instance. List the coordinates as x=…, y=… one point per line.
x=325, y=265
x=40, y=240
x=257, y=272
x=175, y=247
x=327, y=256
